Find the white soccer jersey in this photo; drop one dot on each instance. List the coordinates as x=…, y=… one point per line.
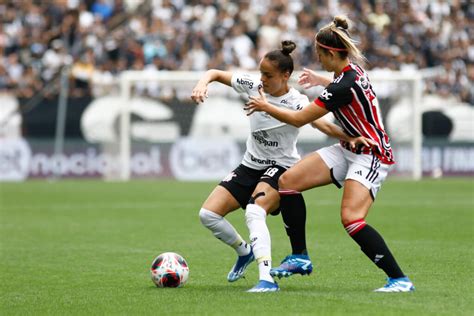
x=270, y=141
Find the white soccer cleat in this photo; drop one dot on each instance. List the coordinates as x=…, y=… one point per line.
x=264, y=286
x=397, y=285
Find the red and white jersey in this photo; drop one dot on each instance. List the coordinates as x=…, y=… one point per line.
x=353, y=102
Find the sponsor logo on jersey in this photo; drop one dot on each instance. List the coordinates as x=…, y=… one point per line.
x=245, y=82
x=261, y=138
x=284, y=101
x=325, y=94
x=263, y=161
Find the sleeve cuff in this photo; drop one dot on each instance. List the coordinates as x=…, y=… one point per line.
x=320, y=103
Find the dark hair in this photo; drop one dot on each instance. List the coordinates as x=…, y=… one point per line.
x=282, y=57
x=335, y=36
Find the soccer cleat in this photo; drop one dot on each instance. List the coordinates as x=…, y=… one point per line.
x=264, y=286
x=239, y=267
x=397, y=285
x=299, y=264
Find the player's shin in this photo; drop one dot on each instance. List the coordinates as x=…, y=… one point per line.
x=260, y=239
x=293, y=212
x=224, y=231
x=373, y=245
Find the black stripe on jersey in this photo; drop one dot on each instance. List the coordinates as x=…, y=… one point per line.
x=346, y=125
x=367, y=108
x=358, y=69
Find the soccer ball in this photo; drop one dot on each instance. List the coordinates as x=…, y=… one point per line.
x=169, y=270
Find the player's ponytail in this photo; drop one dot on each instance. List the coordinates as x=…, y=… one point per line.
x=335, y=37
x=281, y=57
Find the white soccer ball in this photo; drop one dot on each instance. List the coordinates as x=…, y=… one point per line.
x=169, y=270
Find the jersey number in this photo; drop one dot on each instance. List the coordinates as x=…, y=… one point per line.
x=271, y=172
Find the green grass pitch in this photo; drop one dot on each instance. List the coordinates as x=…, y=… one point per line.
x=85, y=247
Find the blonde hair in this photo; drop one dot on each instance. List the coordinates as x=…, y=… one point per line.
x=335, y=37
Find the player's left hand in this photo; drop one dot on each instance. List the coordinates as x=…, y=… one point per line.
x=256, y=104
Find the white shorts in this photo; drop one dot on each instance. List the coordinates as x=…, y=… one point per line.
x=363, y=168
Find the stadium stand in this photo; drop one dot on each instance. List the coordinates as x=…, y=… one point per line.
x=98, y=39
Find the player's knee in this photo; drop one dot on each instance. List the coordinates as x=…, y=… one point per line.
x=254, y=213
x=348, y=215
x=283, y=181
x=208, y=218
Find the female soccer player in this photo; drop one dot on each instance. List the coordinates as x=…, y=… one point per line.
x=350, y=97
x=253, y=185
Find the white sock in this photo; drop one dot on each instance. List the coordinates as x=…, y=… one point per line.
x=264, y=270
x=224, y=231
x=255, y=217
x=241, y=247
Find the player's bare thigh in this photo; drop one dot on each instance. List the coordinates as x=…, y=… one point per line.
x=221, y=202
x=308, y=173
x=356, y=202
x=270, y=199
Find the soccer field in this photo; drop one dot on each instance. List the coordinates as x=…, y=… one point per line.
x=85, y=247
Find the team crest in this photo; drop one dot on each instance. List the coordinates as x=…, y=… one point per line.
x=363, y=82
x=229, y=177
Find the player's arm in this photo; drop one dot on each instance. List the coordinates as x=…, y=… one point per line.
x=335, y=131
x=330, y=129
x=296, y=118
x=200, y=90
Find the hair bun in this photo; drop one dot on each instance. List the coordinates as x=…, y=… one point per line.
x=287, y=47
x=341, y=21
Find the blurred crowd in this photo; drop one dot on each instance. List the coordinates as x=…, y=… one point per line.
x=97, y=39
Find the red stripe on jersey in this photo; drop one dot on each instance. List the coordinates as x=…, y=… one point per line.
x=352, y=113
x=359, y=70
x=358, y=112
x=369, y=129
x=351, y=117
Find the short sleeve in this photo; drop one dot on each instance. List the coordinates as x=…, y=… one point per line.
x=245, y=83
x=334, y=96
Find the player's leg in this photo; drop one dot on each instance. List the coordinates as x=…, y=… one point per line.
x=264, y=200
x=314, y=170
x=225, y=198
x=293, y=211
x=360, y=189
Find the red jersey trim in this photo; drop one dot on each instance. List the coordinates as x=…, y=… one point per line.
x=320, y=103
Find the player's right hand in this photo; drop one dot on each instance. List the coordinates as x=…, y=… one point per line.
x=309, y=78
x=199, y=93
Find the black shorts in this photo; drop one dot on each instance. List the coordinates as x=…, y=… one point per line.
x=242, y=181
